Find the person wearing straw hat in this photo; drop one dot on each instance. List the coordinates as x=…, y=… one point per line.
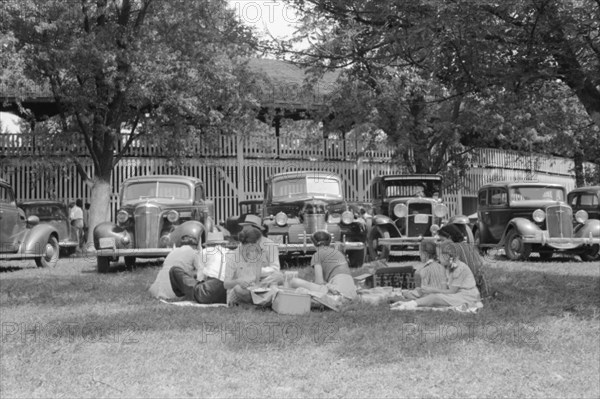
x=207, y=287
x=269, y=252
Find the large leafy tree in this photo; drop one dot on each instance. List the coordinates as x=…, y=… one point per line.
x=158, y=68
x=477, y=51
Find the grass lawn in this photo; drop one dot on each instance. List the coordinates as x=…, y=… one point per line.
x=69, y=332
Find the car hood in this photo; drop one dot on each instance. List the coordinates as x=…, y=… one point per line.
x=292, y=207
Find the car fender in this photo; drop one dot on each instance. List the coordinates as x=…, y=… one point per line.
x=385, y=223
x=590, y=227
x=109, y=229
x=524, y=227
x=190, y=228
x=34, y=242
x=459, y=219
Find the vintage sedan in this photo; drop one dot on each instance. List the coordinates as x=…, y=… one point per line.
x=525, y=217
x=586, y=199
x=296, y=204
x=155, y=212
x=56, y=214
x=406, y=210
x=24, y=237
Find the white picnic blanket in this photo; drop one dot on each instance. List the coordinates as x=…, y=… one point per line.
x=195, y=304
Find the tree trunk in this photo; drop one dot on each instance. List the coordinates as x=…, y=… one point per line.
x=99, y=205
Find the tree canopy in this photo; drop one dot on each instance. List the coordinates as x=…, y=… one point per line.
x=153, y=67
x=472, y=55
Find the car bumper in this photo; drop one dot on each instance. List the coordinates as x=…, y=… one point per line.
x=560, y=242
x=134, y=252
x=403, y=240
x=310, y=248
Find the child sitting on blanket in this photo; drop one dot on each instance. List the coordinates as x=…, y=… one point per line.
x=431, y=275
x=332, y=274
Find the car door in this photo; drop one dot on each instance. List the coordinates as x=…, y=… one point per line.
x=499, y=212
x=11, y=222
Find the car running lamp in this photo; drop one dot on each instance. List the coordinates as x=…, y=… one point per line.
x=122, y=216
x=347, y=217
x=172, y=216
x=400, y=210
x=581, y=216
x=440, y=210
x=539, y=215
x=281, y=219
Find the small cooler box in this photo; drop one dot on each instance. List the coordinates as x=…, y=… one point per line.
x=290, y=302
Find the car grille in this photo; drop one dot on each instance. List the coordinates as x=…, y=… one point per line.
x=147, y=226
x=314, y=222
x=559, y=221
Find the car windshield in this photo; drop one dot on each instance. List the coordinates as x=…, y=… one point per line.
x=412, y=188
x=45, y=212
x=307, y=186
x=156, y=190
x=518, y=194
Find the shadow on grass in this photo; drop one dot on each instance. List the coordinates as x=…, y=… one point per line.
x=116, y=307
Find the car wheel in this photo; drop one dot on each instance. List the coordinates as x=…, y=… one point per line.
x=591, y=254
x=515, y=248
x=377, y=251
x=50, y=256
x=103, y=264
x=356, y=258
x=130, y=261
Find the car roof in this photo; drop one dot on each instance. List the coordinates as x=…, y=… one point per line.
x=177, y=178
x=400, y=177
x=586, y=189
x=305, y=173
x=510, y=184
x=42, y=202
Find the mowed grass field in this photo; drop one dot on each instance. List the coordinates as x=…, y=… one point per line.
x=70, y=332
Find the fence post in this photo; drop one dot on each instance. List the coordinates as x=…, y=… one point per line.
x=241, y=174
x=361, y=182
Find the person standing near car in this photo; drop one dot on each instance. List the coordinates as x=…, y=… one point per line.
x=76, y=216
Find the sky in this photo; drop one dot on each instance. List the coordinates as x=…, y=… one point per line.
x=267, y=16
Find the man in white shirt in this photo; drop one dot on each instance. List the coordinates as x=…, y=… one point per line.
x=76, y=216
x=207, y=286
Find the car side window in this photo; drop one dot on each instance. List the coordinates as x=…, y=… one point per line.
x=498, y=197
x=198, y=194
x=6, y=196
x=482, y=201
x=588, y=200
x=573, y=200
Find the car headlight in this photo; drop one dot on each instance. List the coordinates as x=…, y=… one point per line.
x=581, y=216
x=122, y=216
x=281, y=219
x=172, y=216
x=440, y=210
x=401, y=210
x=539, y=215
x=347, y=217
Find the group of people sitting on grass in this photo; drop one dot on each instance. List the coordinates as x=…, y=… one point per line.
x=216, y=274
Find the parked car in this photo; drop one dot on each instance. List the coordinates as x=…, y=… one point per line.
x=407, y=209
x=56, y=214
x=24, y=237
x=586, y=199
x=525, y=217
x=248, y=207
x=296, y=204
x=155, y=212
